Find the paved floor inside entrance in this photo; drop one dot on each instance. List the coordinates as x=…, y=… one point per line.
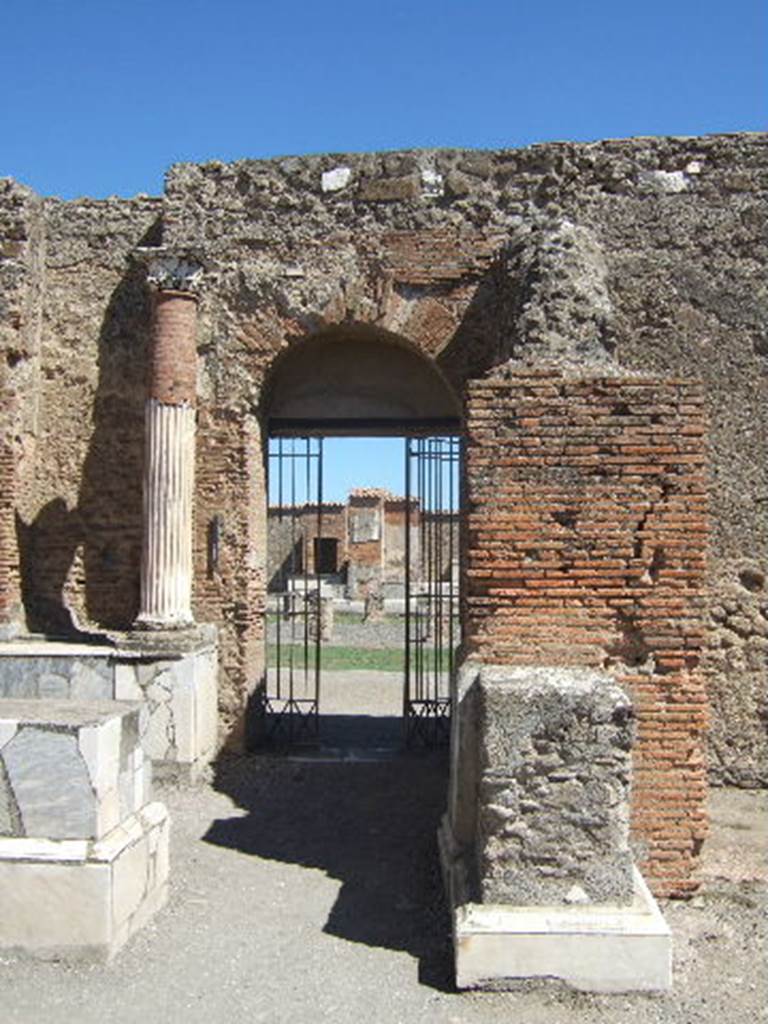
x=308, y=891
x=361, y=713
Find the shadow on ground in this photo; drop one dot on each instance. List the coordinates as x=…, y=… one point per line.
x=370, y=824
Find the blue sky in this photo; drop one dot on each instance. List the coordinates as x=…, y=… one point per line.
x=99, y=98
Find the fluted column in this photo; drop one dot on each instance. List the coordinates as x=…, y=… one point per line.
x=169, y=460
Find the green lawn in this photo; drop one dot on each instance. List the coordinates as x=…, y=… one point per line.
x=340, y=659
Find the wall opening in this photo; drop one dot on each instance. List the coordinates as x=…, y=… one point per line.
x=362, y=610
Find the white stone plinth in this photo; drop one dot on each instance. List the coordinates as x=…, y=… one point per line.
x=590, y=947
x=172, y=676
x=78, y=900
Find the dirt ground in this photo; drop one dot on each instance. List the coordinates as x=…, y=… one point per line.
x=308, y=890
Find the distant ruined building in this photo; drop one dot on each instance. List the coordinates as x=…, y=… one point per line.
x=359, y=545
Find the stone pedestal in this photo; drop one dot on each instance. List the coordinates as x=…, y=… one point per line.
x=172, y=676
x=83, y=853
x=535, y=846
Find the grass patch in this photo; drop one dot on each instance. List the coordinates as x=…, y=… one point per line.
x=342, y=659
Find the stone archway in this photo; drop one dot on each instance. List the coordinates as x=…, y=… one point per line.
x=356, y=380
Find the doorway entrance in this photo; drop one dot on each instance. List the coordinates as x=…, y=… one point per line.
x=378, y=568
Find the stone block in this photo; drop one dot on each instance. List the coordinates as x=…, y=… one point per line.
x=182, y=721
x=69, y=769
x=552, y=822
x=602, y=948
x=76, y=900
x=57, y=670
x=174, y=681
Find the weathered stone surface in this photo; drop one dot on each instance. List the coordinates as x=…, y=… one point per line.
x=79, y=676
x=71, y=770
x=79, y=901
x=174, y=678
x=51, y=784
x=553, y=811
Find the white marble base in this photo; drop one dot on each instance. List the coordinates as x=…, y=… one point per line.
x=74, y=899
x=174, y=679
x=593, y=948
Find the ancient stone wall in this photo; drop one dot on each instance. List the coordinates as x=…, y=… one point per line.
x=79, y=430
x=647, y=252
x=230, y=486
x=22, y=254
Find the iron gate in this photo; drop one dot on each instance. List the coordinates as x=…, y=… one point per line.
x=292, y=699
x=431, y=586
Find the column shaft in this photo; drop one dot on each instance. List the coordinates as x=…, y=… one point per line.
x=166, y=579
x=169, y=465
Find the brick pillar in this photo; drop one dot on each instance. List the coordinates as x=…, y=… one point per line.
x=586, y=543
x=166, y=568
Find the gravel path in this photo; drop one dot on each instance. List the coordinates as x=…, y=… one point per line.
x=308, y=891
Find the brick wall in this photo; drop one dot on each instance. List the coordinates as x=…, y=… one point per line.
x=173, y=372
x=586, y=537
x=230, y=485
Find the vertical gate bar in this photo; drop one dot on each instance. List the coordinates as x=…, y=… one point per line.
x=318, y=638
x=407, y=679
x=432, y=572
x=422, y=604
x=438, y=563
x=451, y=551
x=279, y=616
x=305, y=581
x=289, y=595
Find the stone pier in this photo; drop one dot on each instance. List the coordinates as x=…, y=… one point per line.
x=535, y=846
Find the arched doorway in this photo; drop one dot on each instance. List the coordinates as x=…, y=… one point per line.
x=381, y=555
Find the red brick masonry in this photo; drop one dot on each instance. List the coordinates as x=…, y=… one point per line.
x=173, y=370
x=586, y=542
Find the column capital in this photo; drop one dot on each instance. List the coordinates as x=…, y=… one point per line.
x=171, y=270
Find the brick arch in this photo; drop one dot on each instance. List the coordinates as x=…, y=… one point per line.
x=357, y=372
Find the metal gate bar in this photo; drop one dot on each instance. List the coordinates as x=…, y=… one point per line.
x=291, y=703
x=431, y=599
